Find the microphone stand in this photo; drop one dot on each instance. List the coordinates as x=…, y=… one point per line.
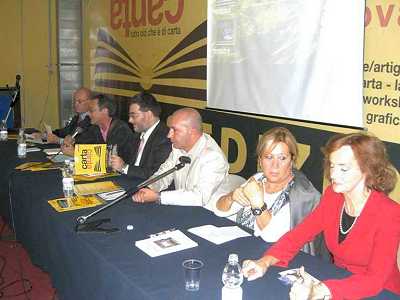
x=12, y=103
x=83, y=226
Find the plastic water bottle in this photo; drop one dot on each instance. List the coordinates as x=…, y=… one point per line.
x=232, y=278
x=21, y=148
x=68, y=179
x=3, y=131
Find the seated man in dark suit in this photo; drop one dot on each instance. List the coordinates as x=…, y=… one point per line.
x=105, y=129
x=152, y=145
x=81, y=119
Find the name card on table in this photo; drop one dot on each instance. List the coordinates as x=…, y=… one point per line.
x=90, y=159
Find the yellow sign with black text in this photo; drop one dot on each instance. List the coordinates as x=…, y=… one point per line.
x=90, y=159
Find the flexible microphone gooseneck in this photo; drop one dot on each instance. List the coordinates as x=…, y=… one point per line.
x=183, y=161
x=14, y=97
x=77, y=131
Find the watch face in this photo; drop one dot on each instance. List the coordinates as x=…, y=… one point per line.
x=256, y=211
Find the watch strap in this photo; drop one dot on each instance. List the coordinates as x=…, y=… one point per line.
x=259, y=210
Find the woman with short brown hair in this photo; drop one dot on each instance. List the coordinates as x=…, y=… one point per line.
x=276, y=199
x=360, y=223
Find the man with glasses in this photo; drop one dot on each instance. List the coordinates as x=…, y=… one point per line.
x=151, y=145
x=105, y=129
x=81, y=119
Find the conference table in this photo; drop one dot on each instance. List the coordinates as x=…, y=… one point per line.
x=109, y=265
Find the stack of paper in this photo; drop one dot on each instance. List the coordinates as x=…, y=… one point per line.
x=30, y=138
x=109, y=196
x=95, y=188
x=219, y=235
x=165, y=242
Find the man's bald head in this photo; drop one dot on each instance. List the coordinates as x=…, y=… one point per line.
x=185, y=128
x=81, y=100
x=189, y=117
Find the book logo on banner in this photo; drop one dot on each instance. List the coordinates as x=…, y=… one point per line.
x=158, y=48
x=90, y=159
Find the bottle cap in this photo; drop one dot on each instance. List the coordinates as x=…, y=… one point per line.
x=233, y=258
x=68, y=180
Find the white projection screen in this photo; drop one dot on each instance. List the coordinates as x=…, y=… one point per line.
x=297, y=59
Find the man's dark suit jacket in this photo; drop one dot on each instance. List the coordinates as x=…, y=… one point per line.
x=155, y=152
x=72, y=125
x=119, y=134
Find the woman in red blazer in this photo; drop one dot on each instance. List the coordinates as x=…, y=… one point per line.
x=360, y=223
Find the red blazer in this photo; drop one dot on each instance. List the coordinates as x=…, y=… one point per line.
x=369, y=250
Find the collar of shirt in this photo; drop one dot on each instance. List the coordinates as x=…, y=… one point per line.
x=105, y=131
x=146, y=134
x=82, y=116
x=196, y=149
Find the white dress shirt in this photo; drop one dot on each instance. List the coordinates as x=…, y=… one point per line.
x=197, y=181
x=145, y=136
x=279, y=223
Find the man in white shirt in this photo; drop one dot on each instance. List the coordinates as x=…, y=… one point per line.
x=152, y=145
x=197, y=181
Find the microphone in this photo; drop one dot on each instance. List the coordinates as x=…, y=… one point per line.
x=17, y=79
x=77, y=131
x=82, y=219
x=185, y=160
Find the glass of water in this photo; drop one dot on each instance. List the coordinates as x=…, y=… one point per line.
x=191, y=270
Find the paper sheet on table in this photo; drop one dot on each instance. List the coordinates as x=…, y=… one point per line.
x=30, y=138
x=288, y=277
x=51, y=151
x=219, y=235
x=165, y=242
x=110, y=196
x=33, y=149
x=95, y=188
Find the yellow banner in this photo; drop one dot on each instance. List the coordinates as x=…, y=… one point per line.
x=158, y=45
x=90, y=159
x=382, y=69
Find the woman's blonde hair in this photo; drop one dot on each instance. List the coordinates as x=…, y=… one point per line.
x=278, y=135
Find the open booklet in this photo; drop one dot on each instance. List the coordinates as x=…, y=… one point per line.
x=165, y=242
x=96, y=187
x=219, y=235
x=75, y=202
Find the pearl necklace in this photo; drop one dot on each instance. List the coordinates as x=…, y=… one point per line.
x=340, y=223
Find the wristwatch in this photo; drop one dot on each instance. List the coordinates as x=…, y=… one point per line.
x=259, y=210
